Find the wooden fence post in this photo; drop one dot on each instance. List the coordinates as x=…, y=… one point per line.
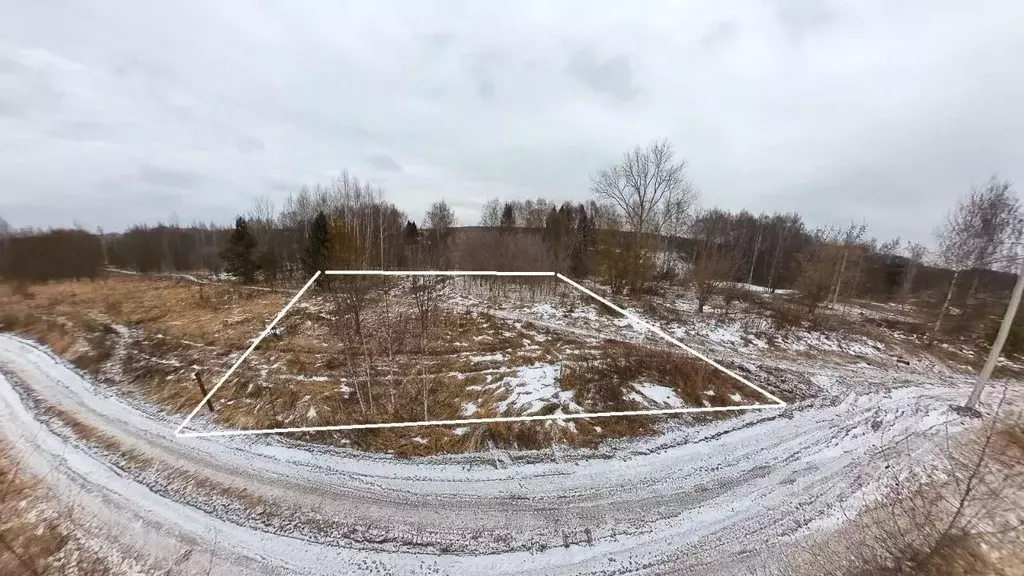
x=199, y=380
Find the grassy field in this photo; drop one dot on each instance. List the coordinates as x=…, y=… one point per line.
x=385, y=352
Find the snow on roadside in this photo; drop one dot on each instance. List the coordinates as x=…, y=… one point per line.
x=705, y=493
x=736, y=336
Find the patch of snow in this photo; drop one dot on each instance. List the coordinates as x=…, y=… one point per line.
x=460, y=430
x=724, y=334
x=543, y=310
x=533, y=387
x=660, y=395
x=419, y=440
x=306, y=378
x=757, y=341
x=468, y=409
x=488, y=358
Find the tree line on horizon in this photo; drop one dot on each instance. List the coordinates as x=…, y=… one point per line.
x=643, y=229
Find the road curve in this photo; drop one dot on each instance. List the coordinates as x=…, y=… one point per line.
x=693, y=497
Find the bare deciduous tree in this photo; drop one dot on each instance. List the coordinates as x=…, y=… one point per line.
x=715, y=255
x=852, y=238
x=983, y=226
x=786, y=228
x=439, y=221
x=916, y=253
x=819, y=263
x=651, y=190
x=490, y=213
x=425, y=292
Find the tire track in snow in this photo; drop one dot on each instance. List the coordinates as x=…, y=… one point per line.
x=727, y=487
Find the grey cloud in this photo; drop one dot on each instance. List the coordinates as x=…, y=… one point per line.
x=437, y=42
x=719, y=35
x=281, y=186
x=384, y=162
x=80, y=131
x=169, y=177
x=10, y=66
x=151, y=72
x=11, y=108
x=26, y=91
x=540, y=171
x=612, y=77
x=844, y=110
x=802, y=17
x=481, y=68
x=246, y=144
x=485, y=87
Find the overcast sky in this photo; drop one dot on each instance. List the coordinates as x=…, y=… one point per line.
x=114, y=112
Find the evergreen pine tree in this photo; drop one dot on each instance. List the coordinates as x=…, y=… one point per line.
x=314, y=257
x=582, y=243
x=410, y=241
x=552, y=229
x=240, y=253
x=412, y=234
x=267, y=261
x=508, y=219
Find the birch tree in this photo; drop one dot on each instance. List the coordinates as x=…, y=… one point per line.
x=984, y=225
x=916, y=253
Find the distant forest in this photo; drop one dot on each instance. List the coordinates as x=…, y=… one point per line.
x=642, y=230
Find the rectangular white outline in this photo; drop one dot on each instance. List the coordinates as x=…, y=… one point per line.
x=635, y=319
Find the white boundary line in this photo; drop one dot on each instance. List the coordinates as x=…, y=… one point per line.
x=668, y=338
x=178, y=432
x=245, y=354
x=433, y=273
x=479, y=420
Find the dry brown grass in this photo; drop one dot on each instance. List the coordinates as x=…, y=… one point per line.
x=601, y=384
x=38, y=537
x=322, y=372
x=129, y=459
x=969, y=524
x=30, y=534
x=172, y=307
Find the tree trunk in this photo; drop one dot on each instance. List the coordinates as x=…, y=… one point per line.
x=856, y=275
x=945, y=304
x=369, y=382
x=775, y=263
x=426, y=386
x=382, y=267
x=839, y=277
x=974, y=285
x=908, y=279
x=753, y=259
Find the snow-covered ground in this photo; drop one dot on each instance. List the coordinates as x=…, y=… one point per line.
x=694, y=497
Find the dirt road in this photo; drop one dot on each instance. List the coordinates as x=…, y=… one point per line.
x=693, y=497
